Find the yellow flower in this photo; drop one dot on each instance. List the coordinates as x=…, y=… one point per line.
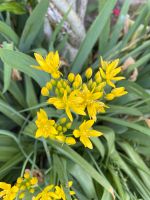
x=44, y=125
x=117, y=92
x=90, y=101
x=8, y=192
x=84, y=133
x=109, y=71
x=47, y=193
x=68, y=103
x=50, y=64
x=60, y=192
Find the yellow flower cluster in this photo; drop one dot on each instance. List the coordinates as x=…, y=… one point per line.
x=74, y=95
x=27, y=183
x=52, y=192
x=50, y=129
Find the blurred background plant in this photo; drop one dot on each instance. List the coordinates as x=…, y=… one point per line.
x=81, y=31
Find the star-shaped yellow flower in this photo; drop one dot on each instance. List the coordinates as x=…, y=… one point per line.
x=44, y=125
x=117, y=92
x=85, y=132
x=50, y=64
x=71, y=102
x=47, y=193
x=8, y=192
x=90, y=101
x=60, y=192
x=109, y=71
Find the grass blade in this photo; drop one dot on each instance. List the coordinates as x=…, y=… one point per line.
x=92, y=36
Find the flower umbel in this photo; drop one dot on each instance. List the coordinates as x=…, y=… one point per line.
x=26, y=183
x=76, y=95
x=85, y=132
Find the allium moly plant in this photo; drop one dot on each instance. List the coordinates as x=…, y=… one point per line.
x=77, y=97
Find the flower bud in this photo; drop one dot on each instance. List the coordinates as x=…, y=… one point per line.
x=97, y=77
x=68, y=125
x=63, y=120
x=71, y=77
x=64, y=129
x=59, y=85
x=78, y=79
x=59, y=128
x=88, y=73
x=70, y=140
x=49, y=85
x=44, y=91
x=62, y=90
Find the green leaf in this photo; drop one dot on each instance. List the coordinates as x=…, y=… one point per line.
x=70, y=153
x=140, y=19
x=11, y=113
x=33, y=25
x=132, y=125
x=14, y=7
x=92, y=36
x=137, y=160
x=23, y=63
x=57, y=30
x=114, y=109
x=106, y=196
x=8, y=33
x=31, y=97
x=119, y=25
x=7, y=69
x=139, y=63
x=83, y=178
x=62, y=174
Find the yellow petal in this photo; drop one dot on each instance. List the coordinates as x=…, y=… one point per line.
x=57, y=102
x=39, y=59
x=94, y=133
x=119, y=78
x=38, y=133
x=116, y=71
x=86, y=141
x=112, y=65
x=109, y=97
x=76, y=133
x=102, y=73
x=61, y=138
x=91, y=108
x=68, y=112
x=89, y=124
x=97, y=95
x=70, y=140
x=111, y=83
